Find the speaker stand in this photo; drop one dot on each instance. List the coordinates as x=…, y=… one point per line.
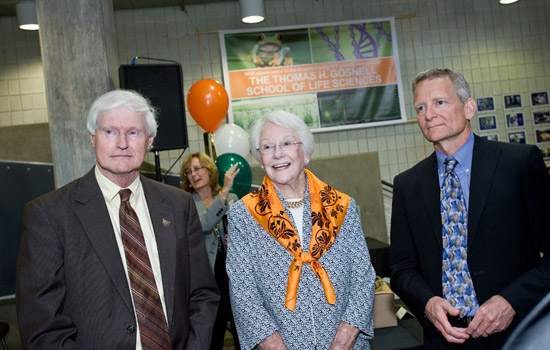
x=157, y=166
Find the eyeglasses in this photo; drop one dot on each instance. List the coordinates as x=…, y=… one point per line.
x=192, y=170
x=283, y=146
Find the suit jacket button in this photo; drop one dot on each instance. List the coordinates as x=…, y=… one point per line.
x=130, y=329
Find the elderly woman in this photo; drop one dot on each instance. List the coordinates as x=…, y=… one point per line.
x=294, y=221
x=199, y=176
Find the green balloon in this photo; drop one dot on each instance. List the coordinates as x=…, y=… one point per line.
x=243, y=180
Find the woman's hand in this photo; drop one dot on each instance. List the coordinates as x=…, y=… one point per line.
x=345, y=337
x=273, y=342
x=228, y=179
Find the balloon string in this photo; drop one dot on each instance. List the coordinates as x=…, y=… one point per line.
x=214, y=156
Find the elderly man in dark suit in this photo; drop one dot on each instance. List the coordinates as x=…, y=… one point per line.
x=469, y=224
x=114, y=260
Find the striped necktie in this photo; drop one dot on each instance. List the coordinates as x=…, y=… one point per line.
x=458, y=287
x=152, y=323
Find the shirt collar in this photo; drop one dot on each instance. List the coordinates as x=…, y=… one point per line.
x=110, y=189
x=463, y=155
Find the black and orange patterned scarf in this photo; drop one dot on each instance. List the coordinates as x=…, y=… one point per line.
x=328, y=210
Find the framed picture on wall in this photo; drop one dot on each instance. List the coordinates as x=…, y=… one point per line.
x=542, y=135
x=335, y=76
x=546, y=157
x=539, y=98
x=514, y=120
x=541, y=117
x=512, y=101
x=485, y=104
x=487, y=122
x=516, y=137
x=492, y=137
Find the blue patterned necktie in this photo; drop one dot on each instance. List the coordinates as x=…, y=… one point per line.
x=458, y=288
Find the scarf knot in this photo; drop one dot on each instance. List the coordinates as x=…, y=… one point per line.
x=305, y=257
x=328, y=210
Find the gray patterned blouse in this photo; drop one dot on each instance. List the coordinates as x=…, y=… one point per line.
x=257, y=266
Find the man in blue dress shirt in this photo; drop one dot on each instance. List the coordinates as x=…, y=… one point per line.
x=506, y=191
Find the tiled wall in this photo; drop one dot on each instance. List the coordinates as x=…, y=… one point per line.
x=501, y=50
x=22, y=93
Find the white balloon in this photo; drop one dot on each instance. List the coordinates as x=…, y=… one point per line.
x=231, y=138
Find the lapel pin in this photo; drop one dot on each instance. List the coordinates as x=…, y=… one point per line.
x=165, y=222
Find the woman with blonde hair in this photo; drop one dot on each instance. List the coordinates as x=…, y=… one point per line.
x=199, y=176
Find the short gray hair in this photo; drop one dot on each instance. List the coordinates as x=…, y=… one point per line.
x=132, y=100
x=284, y=120
x=460, y=84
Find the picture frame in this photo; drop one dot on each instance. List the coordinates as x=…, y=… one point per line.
x=485, y=104
x=514, y=120
x=512, y=101
x=488, y=122
x=539, y=98
x=542, y=135
x=490, y=137
x=517, y=137
x=541, y=117
x=304, y=76
x=546, y=157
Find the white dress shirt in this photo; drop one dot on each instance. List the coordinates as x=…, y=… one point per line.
x=139, y=204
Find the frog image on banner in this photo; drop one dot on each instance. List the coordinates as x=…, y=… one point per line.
x=269, y=52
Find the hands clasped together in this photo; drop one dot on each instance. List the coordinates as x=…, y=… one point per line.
x=344, y=339
x=494, y=316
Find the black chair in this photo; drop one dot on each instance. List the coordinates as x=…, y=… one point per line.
x=4, y=329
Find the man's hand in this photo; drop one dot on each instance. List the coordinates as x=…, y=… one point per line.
x=495, y=315
x=273, y=342
x=345, y=337
x=436, y=310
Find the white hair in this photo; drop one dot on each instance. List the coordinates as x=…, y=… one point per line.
x=284, y=120
x=122, y=98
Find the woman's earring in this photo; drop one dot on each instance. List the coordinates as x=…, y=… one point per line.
x=307, y=161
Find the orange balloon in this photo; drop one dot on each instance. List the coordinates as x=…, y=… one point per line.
x=208, y=102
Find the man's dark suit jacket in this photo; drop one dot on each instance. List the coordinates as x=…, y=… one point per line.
x=508, y=214
x=72, y=291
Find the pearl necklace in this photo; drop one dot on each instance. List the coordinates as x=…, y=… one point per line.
x=296, y=204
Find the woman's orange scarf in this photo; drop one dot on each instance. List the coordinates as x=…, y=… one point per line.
x=328, y=210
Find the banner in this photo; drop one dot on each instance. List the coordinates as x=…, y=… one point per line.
x=334, y=76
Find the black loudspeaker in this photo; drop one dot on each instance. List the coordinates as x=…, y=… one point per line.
x=162, y=85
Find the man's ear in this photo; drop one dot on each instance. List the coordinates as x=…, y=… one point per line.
x=470, y=108
x=92, y=139
x=150, y=142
